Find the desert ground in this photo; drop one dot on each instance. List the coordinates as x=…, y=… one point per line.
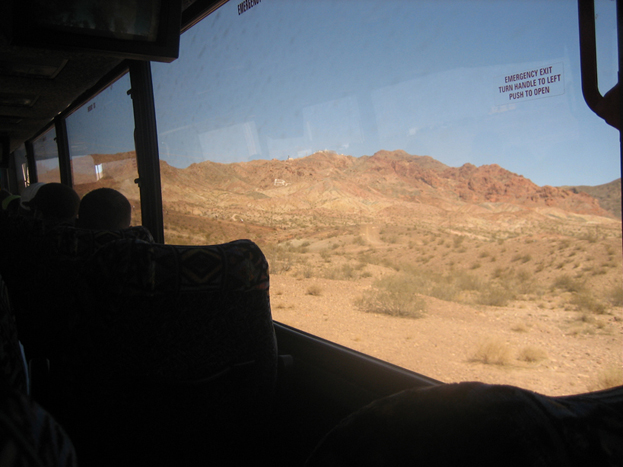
x=551, y=351
x=540, y=309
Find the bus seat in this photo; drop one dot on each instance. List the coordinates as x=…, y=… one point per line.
x=29, y=435
x=479, y=424
x=11, y=357
x=172, y=357
x=40, y=267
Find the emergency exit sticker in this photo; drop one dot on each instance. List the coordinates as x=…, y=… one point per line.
x=531, y=83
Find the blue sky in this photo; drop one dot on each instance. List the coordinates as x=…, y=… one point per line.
x=288, y=78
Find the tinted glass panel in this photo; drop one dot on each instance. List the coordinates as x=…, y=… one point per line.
x=46, y=157
x=425, y=178
x=22, y=176
x=101, y=144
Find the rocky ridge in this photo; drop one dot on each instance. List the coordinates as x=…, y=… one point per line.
x=326, y=182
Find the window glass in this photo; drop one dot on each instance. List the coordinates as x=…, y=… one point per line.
x=425, y=179
x=22, y=175
x=46, y=157
x=101, y=144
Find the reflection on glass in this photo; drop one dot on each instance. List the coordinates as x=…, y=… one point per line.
x=101, y=145
x=402, y=165
x=21, y=168
x=46, y=157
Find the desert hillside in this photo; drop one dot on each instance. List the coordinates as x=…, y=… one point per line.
x=454, y=272
x=608, y=195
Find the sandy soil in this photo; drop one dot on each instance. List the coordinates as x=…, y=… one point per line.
x=576, y=355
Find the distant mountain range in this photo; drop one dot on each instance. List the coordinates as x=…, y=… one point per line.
x=326, y=186
x=326, y=182
x=608, y=195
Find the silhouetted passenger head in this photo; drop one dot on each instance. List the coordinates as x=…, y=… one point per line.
x=28, y=195
x=10, y=202
x=104, y=209
x=4, y=194
x=55, y=203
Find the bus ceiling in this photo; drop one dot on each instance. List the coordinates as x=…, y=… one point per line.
x=44, y=70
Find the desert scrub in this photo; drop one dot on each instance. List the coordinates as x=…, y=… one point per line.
x=566, y=282
x=585, y=301
x=314, y=290
x=515, y=281
x=394, y=296
x=608, y=378
x=307, y=272
x=523, y=258
x=280, y=259
x=520, y=327
x=532, y=354
x=493, y=352
x=495, y=296
x=341, y=273
x=359, y=240
x=615, y=296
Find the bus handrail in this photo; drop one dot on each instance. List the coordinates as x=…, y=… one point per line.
x=588, y=54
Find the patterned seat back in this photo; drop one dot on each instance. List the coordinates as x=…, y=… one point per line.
x=40, y=267
x=11, y=360
x=29, y=435
x=174, y=349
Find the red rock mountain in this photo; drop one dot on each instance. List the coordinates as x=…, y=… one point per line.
x=326, y=181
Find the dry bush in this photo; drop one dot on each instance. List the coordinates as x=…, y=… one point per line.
x=615, y=296
x=523, y=258
x=532, y=354
x=465, y=281
x=609, y=378
x=394, y=296
x=280, y=258
x=314, y=290
x=586, y=302
x=359, y=240
x=515, y=281
x=341, y=273
x=566, y=282
x=444, y=291
x=520, y=327
x=493, y=352
x=495, y=296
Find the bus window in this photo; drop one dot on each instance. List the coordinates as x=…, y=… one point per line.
x=105, y=158
x=46, y=157
x=22, y=176
x=607, y=50
x=425, y=178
